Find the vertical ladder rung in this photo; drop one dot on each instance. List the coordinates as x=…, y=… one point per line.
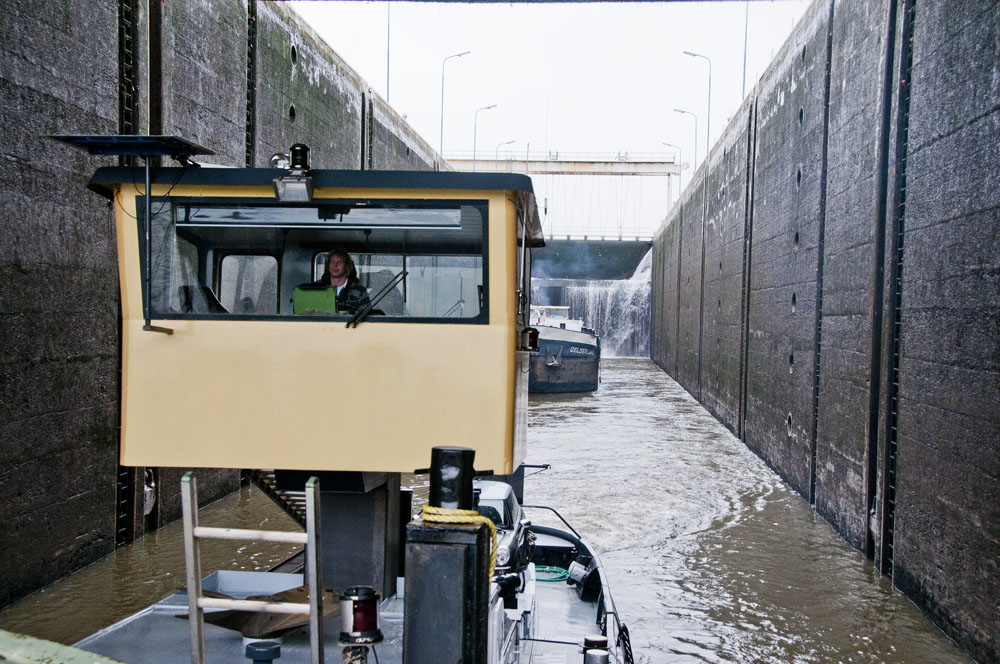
x=192, y=558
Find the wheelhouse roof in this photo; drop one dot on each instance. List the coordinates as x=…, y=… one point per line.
x=104, y=180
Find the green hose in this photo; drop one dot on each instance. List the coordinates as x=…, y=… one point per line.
x=559, y=574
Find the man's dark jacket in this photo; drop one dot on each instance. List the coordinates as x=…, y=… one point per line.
x=353, y=296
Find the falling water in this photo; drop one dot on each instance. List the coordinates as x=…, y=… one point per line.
x=618, y=310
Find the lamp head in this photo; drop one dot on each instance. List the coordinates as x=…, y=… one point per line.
x=297, y=186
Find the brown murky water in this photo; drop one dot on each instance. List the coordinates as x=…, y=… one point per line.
x=711, y=557
x=134, y=577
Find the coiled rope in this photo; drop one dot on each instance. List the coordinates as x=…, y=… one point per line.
x=558, y=573
x=444, y=515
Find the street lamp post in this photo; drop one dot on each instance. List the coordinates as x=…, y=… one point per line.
x=475, y=129
x=456, y=55
x=708, y=121
x=695, y=163
x=680, y=170
x=746, y=31
x=496, y=155
x=388, y=36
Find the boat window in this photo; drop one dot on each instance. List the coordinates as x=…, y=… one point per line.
x=513, y=508
x=249, y=284
x=426, y=260
x=503, y=512
x=490, y=513
x=445, y=286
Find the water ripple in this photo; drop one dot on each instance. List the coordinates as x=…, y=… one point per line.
x=712, y=558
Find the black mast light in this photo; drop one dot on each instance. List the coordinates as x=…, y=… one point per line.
x=300, y=157
x=297, y=186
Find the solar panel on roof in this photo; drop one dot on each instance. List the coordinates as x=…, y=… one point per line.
x=131, y=144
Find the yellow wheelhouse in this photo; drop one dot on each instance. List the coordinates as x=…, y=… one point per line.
x=234, y=354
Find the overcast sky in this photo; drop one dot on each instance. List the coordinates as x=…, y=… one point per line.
x=599, y=79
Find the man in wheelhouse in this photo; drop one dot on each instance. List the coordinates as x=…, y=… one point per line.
x=339, y=272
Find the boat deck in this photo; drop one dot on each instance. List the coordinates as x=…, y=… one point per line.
x=567, y=620
x=160, y=633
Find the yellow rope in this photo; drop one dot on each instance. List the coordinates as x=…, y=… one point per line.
x=443, y=515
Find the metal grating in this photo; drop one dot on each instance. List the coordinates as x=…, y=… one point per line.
x=896, y=312
x=747, y=257
x=127, y=89
x=820, y=250
x=125, y=506
x=127, y=124
x=371, y=134
x=251, y=117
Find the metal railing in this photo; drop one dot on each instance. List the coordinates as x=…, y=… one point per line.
x=192, y=556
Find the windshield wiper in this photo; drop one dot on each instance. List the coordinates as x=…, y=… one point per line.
x=367, y=309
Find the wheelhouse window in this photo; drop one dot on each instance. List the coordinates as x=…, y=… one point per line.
x=420, y=261
x=249, y=284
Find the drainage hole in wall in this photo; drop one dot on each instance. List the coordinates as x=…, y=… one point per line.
x=803, y=52
x=720, y=305
x=294, y=55
x=796, y=239
x=800, y=115
x=720, y=266
x=793, y=303
x=788, y=424
x=791, y=362
x=798, y=177
x=291, y=113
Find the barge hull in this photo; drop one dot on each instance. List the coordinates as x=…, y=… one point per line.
x=567, y=361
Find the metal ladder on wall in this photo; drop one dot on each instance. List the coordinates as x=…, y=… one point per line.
x=197, y=603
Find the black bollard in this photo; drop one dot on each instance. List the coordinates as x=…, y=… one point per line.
x=447, y=584
x=263, y=652
x=451, y=478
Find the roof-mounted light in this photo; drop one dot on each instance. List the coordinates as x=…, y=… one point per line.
x=297, y=186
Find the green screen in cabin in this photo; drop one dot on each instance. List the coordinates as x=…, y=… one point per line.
x=306, y=300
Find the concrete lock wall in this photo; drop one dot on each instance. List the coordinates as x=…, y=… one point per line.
x=225, y=75
x=843, y=317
